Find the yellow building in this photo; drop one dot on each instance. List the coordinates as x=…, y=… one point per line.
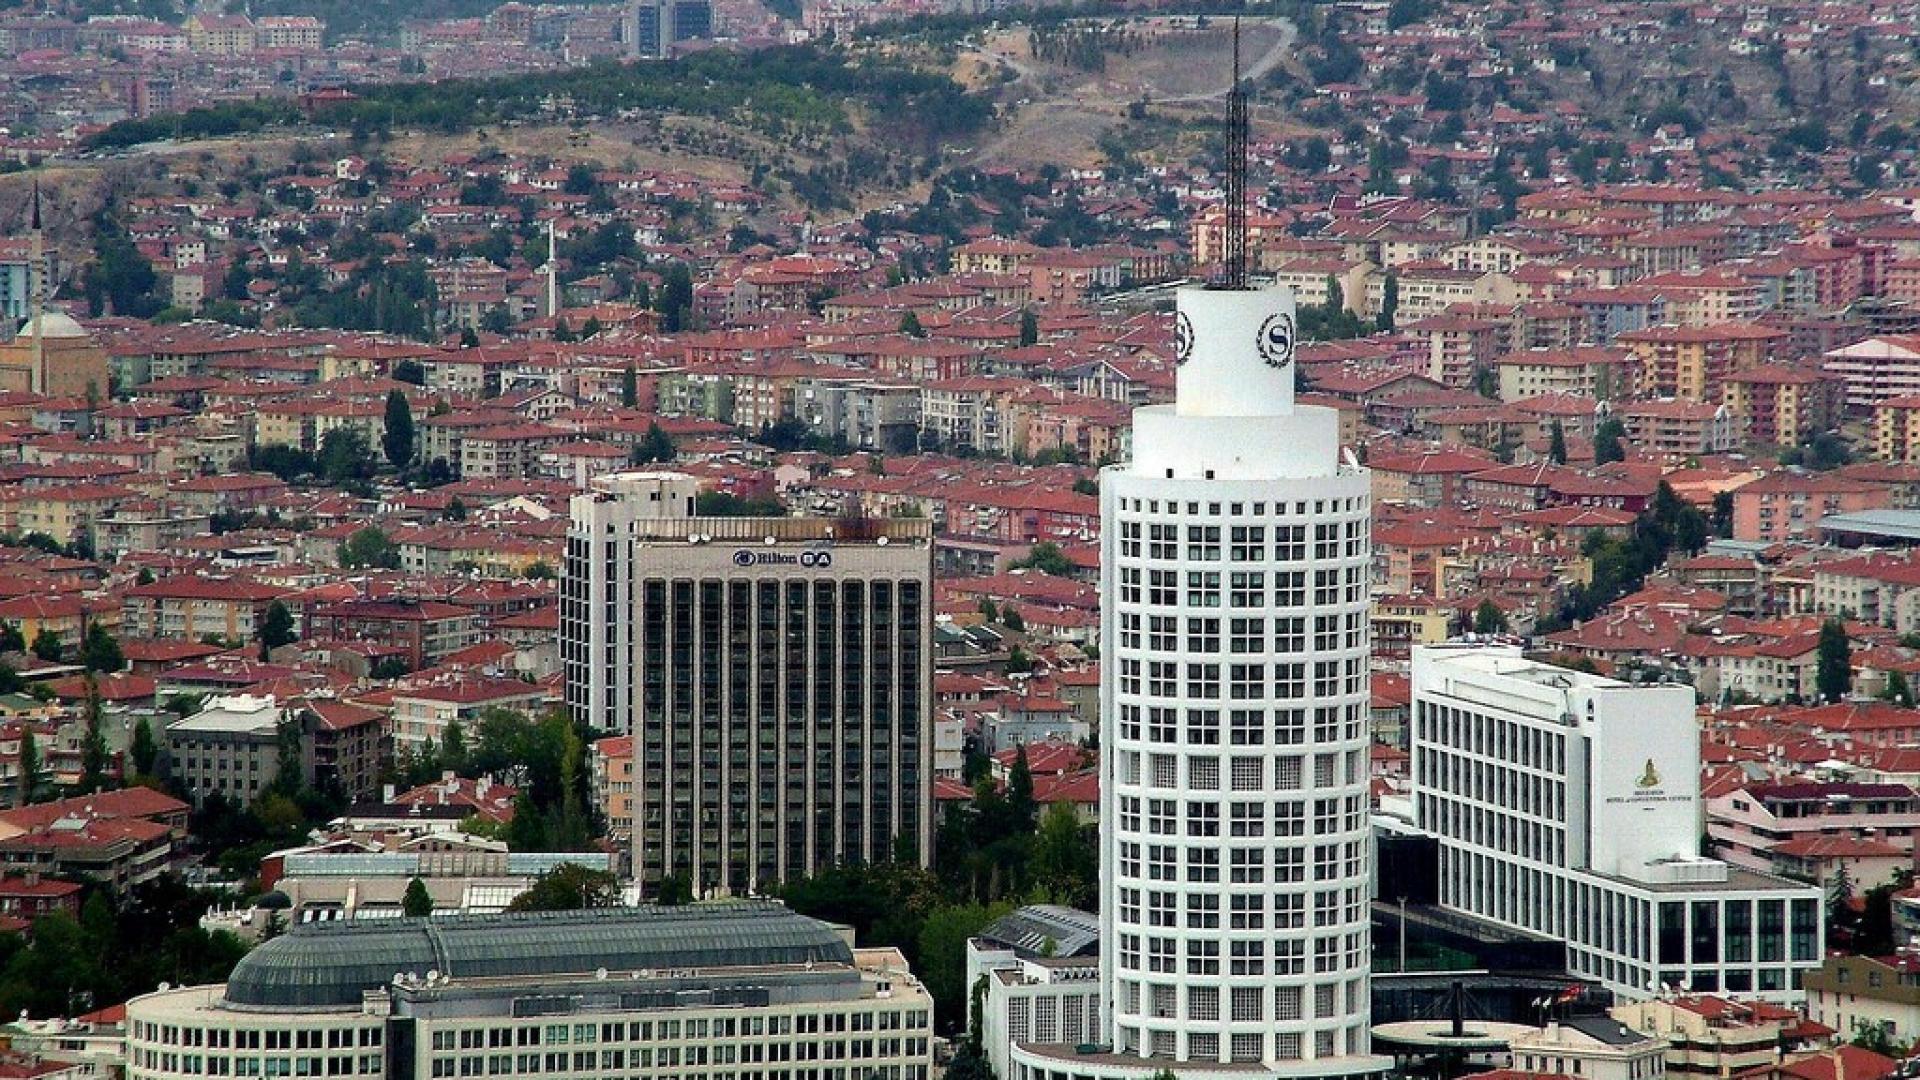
x=71, y=365
x=1896, y=429
x=66, y=513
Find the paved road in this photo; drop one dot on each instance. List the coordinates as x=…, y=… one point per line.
x=1265, y=62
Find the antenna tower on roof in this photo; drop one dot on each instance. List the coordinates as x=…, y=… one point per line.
x=1235, y=276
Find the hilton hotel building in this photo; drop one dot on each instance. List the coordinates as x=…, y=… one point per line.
x=775, y=674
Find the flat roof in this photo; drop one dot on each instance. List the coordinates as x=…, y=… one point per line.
x=1890, y=523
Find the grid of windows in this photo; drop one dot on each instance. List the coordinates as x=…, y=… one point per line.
x=1240, y=895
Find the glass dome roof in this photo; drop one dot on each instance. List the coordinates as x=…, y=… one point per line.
x=331, y=964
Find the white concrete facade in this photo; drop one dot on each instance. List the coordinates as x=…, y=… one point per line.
x=1568, y=804
x=1234, y=689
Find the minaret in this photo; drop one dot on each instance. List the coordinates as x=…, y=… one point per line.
x=553, y=276
x=36, y=297
x=1235, y=553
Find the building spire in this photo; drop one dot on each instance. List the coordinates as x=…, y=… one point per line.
x=1235, y=275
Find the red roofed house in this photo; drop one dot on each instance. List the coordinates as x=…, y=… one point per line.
x=191, y=608
x=119, y=838
x=422, y=712
x=483, y=797
x=1716, y=1036
x=1750, y=825
x=426, y=630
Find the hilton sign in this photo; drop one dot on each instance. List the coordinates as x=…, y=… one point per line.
x=811, y=560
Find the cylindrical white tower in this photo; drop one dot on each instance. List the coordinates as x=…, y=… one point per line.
x=1234, y=695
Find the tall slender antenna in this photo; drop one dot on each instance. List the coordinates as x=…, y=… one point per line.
x=1236, y=245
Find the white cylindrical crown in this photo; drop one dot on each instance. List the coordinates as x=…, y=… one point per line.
x=1235, y=349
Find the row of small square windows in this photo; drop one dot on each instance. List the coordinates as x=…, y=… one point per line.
x=1240, y=509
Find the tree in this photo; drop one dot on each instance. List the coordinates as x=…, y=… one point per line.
x=1020, y=801
x=143, y=750
x=675, y=301
x=1047, y=558
x=569, y=887
x=46, y=645
x=397, y=439
x=11, y=639
x=1013, y=620
x=657, y=446
x=538, y=570
x=942, y=964
x=1833, y=675
x=1389, y=303
x=1608, y=441
x=453, y=747
x=629, y=388
x=369, y=547
x=1029, y=328
x=1897, y=690
x=910, y=325
x=1557, y=444
x=417, y=902
x=1841, y=918
x=276, y=629
x=99, y=651
x=412, y=371
x=345, y=459
x=1489, y=619
x=94, y=759
x=30, y=766
x=1065, y=861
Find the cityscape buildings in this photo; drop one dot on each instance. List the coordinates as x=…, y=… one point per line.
x=1568, y=804
x=739, y=988
x=775, y=674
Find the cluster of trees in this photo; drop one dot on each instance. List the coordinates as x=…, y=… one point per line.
x=394, y=298
x=545, y=758
x=795, y=91
x=996, y=852
x=111, y=952
x=120, y=279
x=1084, y=45
x=345, y=460
x=1621, y=563
x=1331, y=321
x=1866, y=930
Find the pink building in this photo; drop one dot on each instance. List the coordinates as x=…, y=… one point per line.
x=1763, y=826
x=1789, y=505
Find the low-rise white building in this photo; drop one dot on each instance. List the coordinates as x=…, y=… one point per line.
x=1591, y=1048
